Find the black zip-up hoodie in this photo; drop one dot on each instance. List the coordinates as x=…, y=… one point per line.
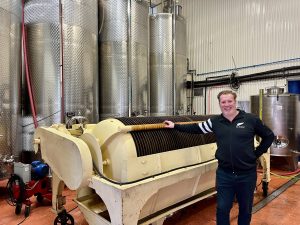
x=235, y=140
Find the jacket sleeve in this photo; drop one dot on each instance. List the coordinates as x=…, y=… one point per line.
x=196, y=128
x=267, y=137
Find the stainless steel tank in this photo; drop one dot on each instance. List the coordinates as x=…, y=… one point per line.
x=123, y=58
x=10, y=82
x=180, y=66
x=63, y=60
x=161, y=64
x=280, y=112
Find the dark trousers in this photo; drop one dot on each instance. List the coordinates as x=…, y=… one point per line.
x=230, y=185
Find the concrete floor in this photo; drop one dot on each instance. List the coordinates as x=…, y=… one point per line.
x=283, y=210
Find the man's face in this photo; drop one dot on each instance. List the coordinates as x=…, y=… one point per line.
x=227, y=104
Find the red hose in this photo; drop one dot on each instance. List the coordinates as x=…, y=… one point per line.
x=28, y=81
x=290, y=173
x=284, y=174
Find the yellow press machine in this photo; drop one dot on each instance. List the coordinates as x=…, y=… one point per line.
x=128, y=170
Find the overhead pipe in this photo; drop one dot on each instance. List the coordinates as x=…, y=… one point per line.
x=252, y=66
x=270, y=76
x=246, y=78
x=226, y=79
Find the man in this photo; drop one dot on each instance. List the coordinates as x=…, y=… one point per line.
x=236, y=174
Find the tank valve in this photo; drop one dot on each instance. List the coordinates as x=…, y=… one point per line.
x=280, y=142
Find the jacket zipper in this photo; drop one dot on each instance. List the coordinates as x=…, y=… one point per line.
x=231, y=158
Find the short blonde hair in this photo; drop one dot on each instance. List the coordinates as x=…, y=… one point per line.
x=227, y=92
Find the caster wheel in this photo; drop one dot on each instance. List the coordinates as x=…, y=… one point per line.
x=27, y=210
x=64, y=218
x=265, y=188
x=18, y=208
x=39, y=198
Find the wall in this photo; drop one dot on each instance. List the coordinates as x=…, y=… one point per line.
x=250, y=35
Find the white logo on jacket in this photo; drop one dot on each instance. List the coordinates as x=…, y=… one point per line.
x=240, y=125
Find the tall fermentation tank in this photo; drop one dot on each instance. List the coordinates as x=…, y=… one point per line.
x=62, y=42
x=10, y=80
x=161, y=64
x=123, y=58
x=280, y=112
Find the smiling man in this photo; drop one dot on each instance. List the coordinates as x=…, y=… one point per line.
x=236, y=174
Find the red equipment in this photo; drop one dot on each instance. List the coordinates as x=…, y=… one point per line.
x=20, y=193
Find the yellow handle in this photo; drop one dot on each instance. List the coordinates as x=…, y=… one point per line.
x=153, y=126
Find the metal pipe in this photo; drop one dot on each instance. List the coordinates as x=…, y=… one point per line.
x=261, y=93
x=252, y=66
x=61, y=62
x=192, y=92
x=148, y=69
x=174, y=55
x=193, y=73
x=192, y=99
x=205, y=97
x=247, y=78
x=214, y=77
x=129, y=69
x=269, y=76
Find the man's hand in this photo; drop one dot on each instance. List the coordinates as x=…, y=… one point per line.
x=169, y=124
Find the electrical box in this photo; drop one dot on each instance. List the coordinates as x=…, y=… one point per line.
x=23, y=171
